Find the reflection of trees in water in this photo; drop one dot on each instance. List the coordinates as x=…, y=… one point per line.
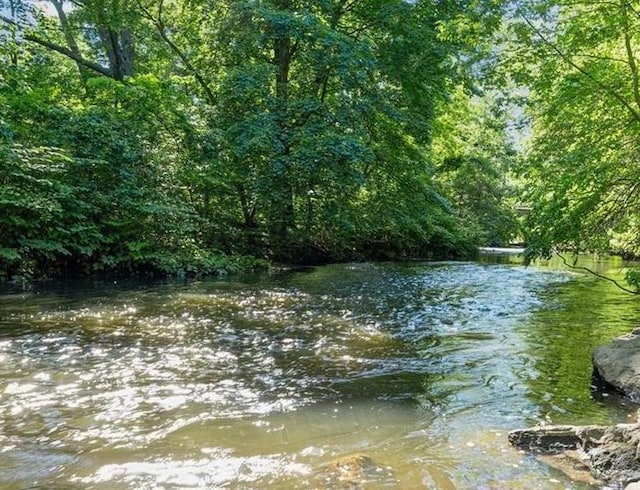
x=579, y=316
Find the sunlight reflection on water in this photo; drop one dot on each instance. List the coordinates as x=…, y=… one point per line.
x=262, y=383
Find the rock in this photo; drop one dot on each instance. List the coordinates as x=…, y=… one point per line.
x=353, y=471
x=610, y=454
x=553, y=439
x=572, y=464
x=618, y=364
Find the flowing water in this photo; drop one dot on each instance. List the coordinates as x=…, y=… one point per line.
x=264, y=381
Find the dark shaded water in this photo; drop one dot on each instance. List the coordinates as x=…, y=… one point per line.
x=261, y=382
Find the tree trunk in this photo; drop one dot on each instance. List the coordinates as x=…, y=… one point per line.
x=283, y=214
x=13, y=56
x=71, y=41
x=119, y=48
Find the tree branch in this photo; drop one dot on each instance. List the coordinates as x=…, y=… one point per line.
x=630, y=56
x=162, y=31
x=597, y=274
x=568, y=60
x=62, y=50
x=68, y=35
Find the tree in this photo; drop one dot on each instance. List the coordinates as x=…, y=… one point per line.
x=324, y=112
x=287, y=129
x=581, y=66
x=92, y=171
x=476, y=160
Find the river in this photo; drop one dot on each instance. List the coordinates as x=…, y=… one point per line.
x=262, y=381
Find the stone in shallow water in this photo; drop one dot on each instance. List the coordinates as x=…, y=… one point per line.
x=572, y=464
x=618, y=364
x=354, y=470
x=554, y=439
x=611, y=454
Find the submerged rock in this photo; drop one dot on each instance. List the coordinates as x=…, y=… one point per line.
x=618, y=364
x=609, y=454
x=355, y=470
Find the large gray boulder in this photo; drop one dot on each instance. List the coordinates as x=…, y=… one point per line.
x=618, y=364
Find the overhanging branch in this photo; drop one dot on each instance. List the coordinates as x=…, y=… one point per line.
x=61, y=49
x=597, y=274
x=567, y=59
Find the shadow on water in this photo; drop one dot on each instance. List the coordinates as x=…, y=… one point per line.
x=263, y=381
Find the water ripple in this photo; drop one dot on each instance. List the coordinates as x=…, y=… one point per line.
x=262, y=383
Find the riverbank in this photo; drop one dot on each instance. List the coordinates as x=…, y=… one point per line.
x=210, y=264
x=593, y=454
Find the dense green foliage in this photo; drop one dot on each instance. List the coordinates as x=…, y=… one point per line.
x=172, y=135
x=579, y=61
x=474, y=158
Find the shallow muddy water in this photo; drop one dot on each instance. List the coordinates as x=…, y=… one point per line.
x=263, y=381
